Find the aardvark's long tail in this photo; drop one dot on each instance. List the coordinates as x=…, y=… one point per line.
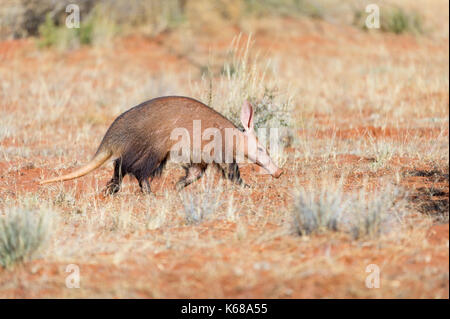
x=96, y=162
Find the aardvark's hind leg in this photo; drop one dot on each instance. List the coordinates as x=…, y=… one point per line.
x=115, y=183
x=148, y=172
x=193, y=173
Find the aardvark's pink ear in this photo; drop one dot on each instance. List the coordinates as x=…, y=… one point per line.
x=247, y=116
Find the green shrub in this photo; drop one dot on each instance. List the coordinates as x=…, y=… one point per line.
x=49, y=33
x=86, y=32
x=399, y=21
x=392, y=19
x=242, y=77
x=284, y=7
x=93, y=29
x=22, y=234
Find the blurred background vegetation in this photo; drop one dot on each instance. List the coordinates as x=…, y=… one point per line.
x=102, y=20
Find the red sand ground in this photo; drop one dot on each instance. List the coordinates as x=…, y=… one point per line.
x=329, y=265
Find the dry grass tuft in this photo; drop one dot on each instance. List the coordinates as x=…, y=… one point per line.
x=23, y=233
x=364, y=214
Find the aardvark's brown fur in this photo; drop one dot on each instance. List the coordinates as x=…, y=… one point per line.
x=140, y=141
